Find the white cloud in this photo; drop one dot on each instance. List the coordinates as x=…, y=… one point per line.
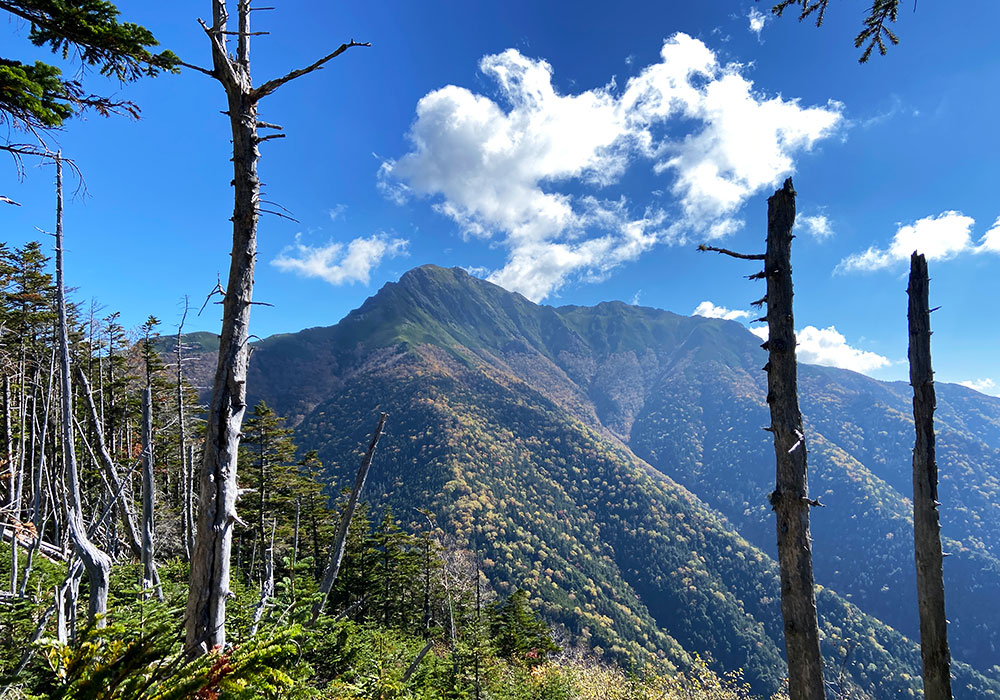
x=635, y=297
x=937, y=237
x=983, y=386
x=477, y=271
x=337, y=211
x=757, y=21
x=991, y=240
x=746, y=142
x=514, y=168
x=710, y=310
x=817, y=226
x=829, y=347
x=337, y=263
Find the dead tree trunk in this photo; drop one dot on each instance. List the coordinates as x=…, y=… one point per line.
x=189, y=501
x=12, y=502
x=266, y=586
x=210, y=564
x=96, y=562
x=185, y=479
x=926, y=523
x=340, y=541
x=110, y=471
x=790, y=498
x=150, y=578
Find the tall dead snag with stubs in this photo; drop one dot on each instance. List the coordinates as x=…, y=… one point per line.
x=96, y=562
x=926, y=523
x=790, y=499
x=208, y=589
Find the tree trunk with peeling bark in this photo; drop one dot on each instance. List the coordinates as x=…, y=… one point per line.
x=96, y=562
x=926, y=522
x=210, y=563
x=209, y=583
x=790, y=498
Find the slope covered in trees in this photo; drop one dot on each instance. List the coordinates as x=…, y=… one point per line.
x=605, y=458
x=412, y=614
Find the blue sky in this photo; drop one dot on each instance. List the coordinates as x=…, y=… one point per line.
x=572, y=153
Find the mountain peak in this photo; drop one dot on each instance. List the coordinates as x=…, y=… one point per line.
x=429, y=272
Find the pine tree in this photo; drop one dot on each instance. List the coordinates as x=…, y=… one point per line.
x=518, y=633
x=875, y=30
x=36, y=96
x=268, y=451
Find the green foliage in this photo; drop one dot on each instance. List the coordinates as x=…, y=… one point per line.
x=518, y=633
x=362, y=655
x=37, y=96
x=122, y=663
x=34, y=94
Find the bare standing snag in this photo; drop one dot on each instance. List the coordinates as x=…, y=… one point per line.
x=926, y=524
x=205, y=622
x=790, y=499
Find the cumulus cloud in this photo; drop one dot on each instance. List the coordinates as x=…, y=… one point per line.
x=337, y=263
x=937, y=237
x=818, y=226
x=513, y=168
x=710, y=310
x=828, y=347
x=991, y=240
x=746, y=142
x=757, y=21
x=983, y=386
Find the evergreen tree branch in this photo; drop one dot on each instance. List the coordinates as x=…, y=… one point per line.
x=875, y=31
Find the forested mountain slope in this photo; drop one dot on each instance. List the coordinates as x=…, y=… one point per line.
x=610, y=460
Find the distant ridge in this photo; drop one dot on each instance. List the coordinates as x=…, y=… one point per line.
x=609, y=459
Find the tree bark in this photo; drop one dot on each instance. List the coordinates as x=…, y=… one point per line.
x=340, y=541
x=266, y=586
x=790, y=498
x=210, y=563
x=189, y=501
x=185, y=479
x=14, y=501
x=150, y=578
x=96, y=562
x=926, y=523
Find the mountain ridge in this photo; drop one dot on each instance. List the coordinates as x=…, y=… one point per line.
x=679, y=399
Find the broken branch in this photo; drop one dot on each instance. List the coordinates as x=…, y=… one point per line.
x=708, y=248
x=272, y=85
